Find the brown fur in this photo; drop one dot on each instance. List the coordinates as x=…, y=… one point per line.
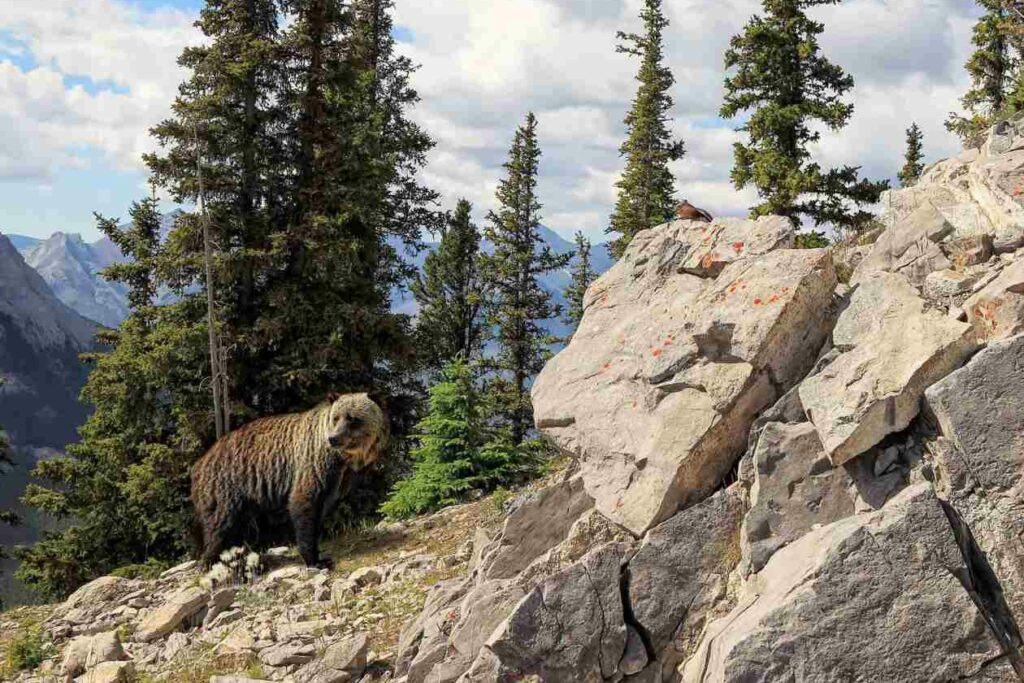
x=688, y=212
x=288, y=463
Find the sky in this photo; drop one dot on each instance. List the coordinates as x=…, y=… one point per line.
x=81, y=82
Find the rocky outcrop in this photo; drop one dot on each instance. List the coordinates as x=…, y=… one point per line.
x=682, y=343
x=883, y=583
x=894, y=347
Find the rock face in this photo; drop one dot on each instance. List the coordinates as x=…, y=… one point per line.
x=675, y=356
x=897, y=348
x=885, y=581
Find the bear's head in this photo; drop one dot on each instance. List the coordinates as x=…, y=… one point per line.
x=357, y=426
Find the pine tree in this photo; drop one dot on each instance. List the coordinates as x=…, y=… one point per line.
x=448, y=293
x=996, y=90
x=448, y=463
x=646, y=189
x=123, y=489
x=914, y=165
x=516, y=301
x=582, y=276
x=779, y=75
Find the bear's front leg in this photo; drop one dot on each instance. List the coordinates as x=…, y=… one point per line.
x=305, y=516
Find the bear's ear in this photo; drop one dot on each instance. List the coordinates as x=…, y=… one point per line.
x=333, y=396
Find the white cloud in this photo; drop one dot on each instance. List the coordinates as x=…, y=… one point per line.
x=483, y=66
x=126, y=55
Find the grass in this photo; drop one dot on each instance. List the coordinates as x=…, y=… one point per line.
x=150, y=570
x=25, y=651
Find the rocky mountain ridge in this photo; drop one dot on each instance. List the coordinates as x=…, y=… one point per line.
x=788, y=465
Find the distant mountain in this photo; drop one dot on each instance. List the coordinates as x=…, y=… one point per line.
x=71, y=268
x=554, y=283
x=40, y=339
x=23, y=242
x=40, y=342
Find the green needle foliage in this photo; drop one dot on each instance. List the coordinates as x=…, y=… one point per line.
x=914, y=165
x=780, y=78
x=448, y=462
x=448, y=293
x=646, y=190
x=124, y=486
x=582, y=276
x=997, y=83
x=516, y=302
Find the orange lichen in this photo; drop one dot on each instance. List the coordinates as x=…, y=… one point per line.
x=737, y=247
x=656, y=352
x=758, y=302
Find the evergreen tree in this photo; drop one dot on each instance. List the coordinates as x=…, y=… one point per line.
x=452, y=458
x=123, y=489
x=448, y=293
x=646, y=188
x=996, y=89
x=779, y=75
x=582, y=276
x=516, y=301
x=914, y=165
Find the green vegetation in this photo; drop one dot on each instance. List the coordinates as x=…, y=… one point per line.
x=582, y=276
x=26, y=650
x=457, y=452
x=515, y=302
x=449, y=295
x=997, y=82
x=646, y=189
x=914, y=156
x=790, y=90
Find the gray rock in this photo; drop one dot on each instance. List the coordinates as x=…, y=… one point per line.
x=175, y=643
x=678, y=576
x=981, y=456
x=539, y=523
x=997, y=311
x=873, y=597
x=667, y=370
x=634, y=659
x=910, y=247
x=795, y=488
x=425, y=640
x=367, y=576
x=343, y=661
x=284, y=654
x=169, y=616
x=897, y=349
x=570, y=628
x=111, y=672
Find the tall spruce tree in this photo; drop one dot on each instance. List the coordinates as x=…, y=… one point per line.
x=516, y=302
x=994, y=67
x=779, y=75
x=448, y=293
x=582, y=275
x=646, y=189
x=913, y=158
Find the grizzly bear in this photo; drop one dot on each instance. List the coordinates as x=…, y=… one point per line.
x=292, y=464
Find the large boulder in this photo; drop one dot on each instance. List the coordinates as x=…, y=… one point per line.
x=910, y=247
x=538, y=523
x=997, y=310
x=166, y=618
x=677, y=580
x=570, y=628
x=873, y=597
x=980, y=459
x=894, y=347
x=660, y=383
x=795, y=489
